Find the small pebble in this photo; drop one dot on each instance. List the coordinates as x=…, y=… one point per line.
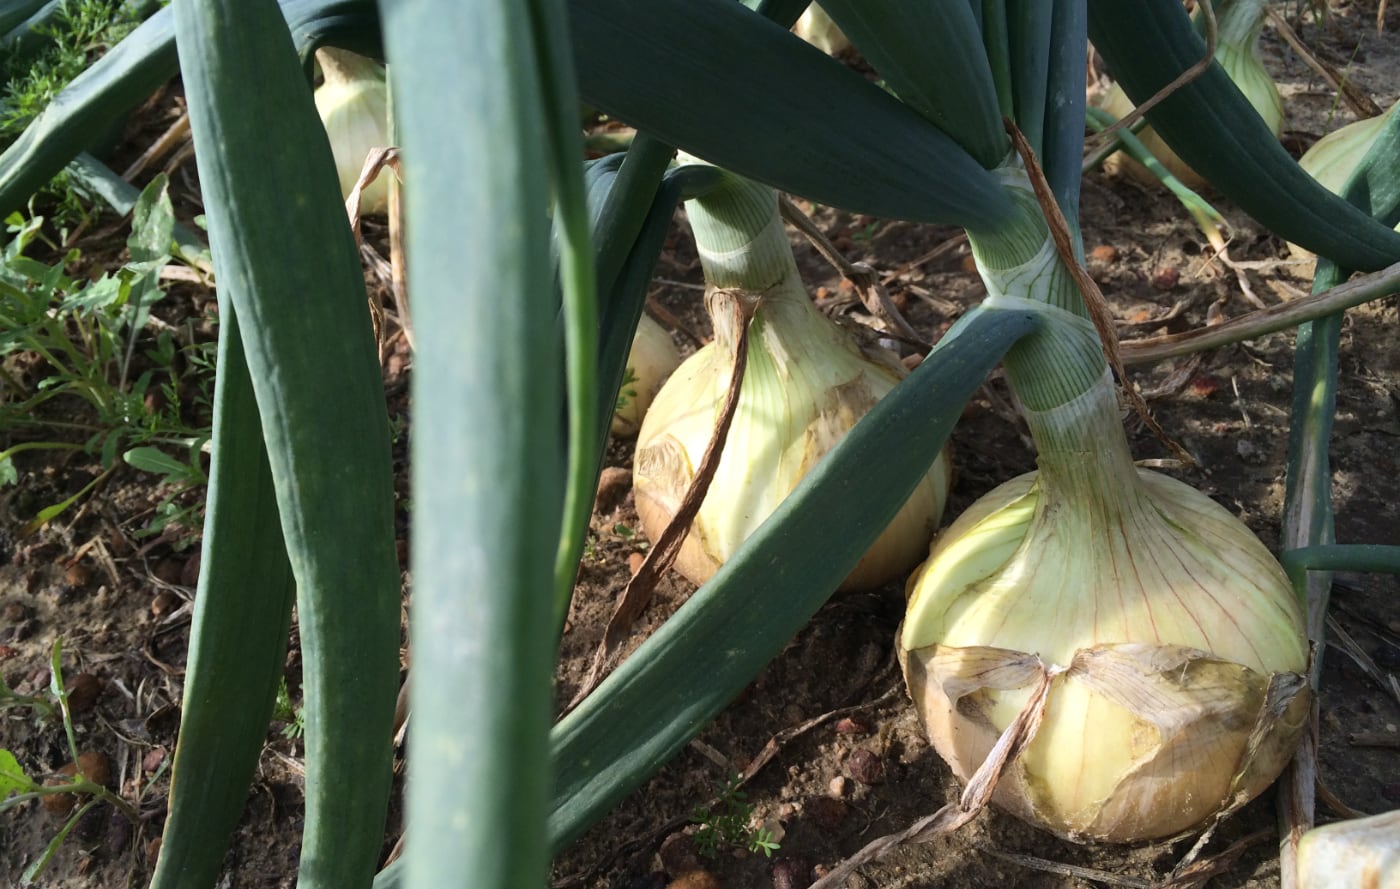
x=1166, y=278
x=1104, y=253
x=849, y=726
x=77, y=575
x=634, y=563
x=153, y=758
x=696, y=879
x=164, y=602
x=613, y=485
x=839, y=786
x=866, y=766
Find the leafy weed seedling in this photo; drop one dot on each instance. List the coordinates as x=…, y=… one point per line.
x=83, y=783
x=725, y=824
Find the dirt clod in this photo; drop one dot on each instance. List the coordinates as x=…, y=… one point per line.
x=679, y=855
x=77, y=575
x=163, y=603
x=83, y=689
x=792, y=873
x=613, y=485
x=826, y=812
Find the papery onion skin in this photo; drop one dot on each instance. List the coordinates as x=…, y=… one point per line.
x=806, y=385
x=353, y=104
x=1172, y=624
x=650, y=362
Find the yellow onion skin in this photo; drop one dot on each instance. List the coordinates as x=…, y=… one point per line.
x=650, y=362
x=353, y=104
x=1238, y=53
x=1332, y=159
x=806, y=384
x=1173, y=637
x=1361, y=852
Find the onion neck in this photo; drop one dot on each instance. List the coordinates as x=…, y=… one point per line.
x=747, y=258
x=1238, y=25
x=1084, y=458
x=341, y=67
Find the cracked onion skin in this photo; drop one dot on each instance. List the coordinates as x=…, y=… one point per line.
x=1175, y=641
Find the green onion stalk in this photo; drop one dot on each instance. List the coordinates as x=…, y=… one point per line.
x=1170, y=637
x=806, y=382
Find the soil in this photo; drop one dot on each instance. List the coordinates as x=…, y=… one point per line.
x=861, y=766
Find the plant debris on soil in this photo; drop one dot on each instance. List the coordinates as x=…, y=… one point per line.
x=826, y=737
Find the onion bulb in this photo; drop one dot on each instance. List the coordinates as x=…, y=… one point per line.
x=353, y=102
x=817, y=28
x=1173, y=642
x=1238, y=25
x=1360, y=852
x=1333, y=158
x=652, y=359
x=806, y=383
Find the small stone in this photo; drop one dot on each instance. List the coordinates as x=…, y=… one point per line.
x=634, y=563
x=15, y=612
x=792, y=873
x=189, y=573
x=679, y=855
x=827, y=813
x=1166, y=278
x=849, y=726
x=77, y=575
x=613, y=485
x=164, y=602
x=839, y=786
x=866, y=766
x=1104, y=253
x=696, y=879
x=83, y=690
x=153, y=758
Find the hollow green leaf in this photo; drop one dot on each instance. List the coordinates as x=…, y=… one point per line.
x=1213, y=128
x=693, y=73
x=286, y=261
x=487, y=467
x=238, y=635
x=920, y=49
